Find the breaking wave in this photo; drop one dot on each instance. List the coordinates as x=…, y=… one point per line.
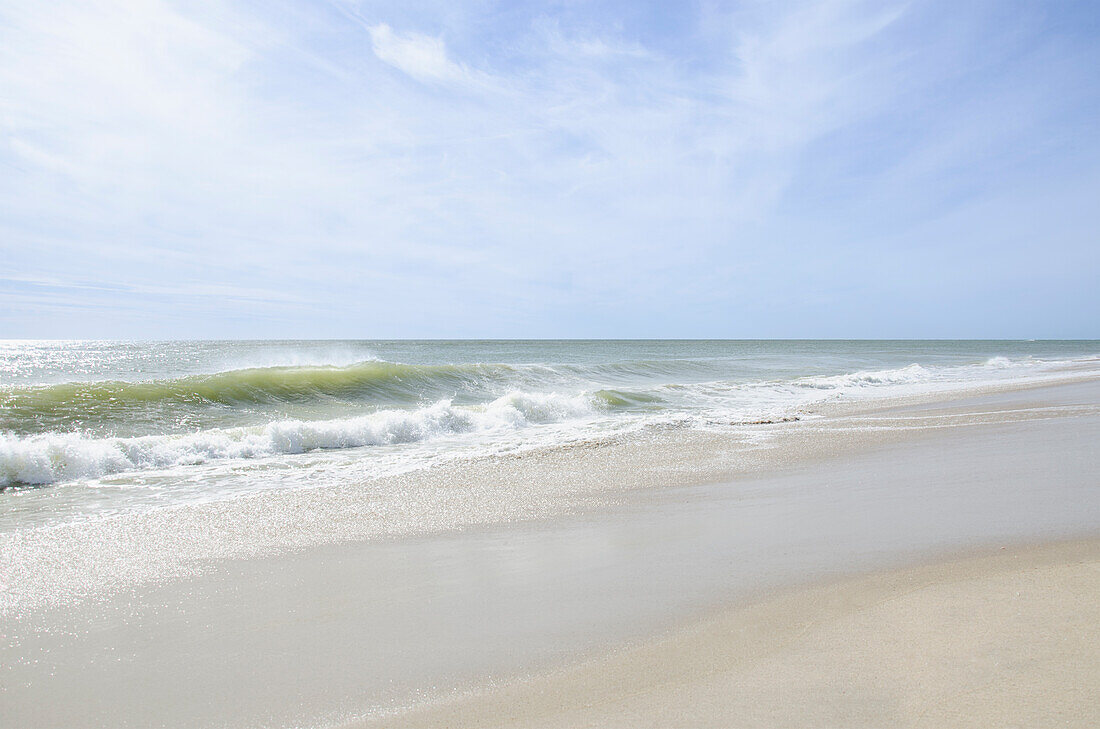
x=32, y=409
x=900, y=376
x=260, y=384
x=86, y=430
x=52, y=457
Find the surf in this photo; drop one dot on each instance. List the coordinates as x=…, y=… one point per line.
x=46, y=407
x=54, y=457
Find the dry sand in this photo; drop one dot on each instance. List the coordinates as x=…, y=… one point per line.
x=1008, y=640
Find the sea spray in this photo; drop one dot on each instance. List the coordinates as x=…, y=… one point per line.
x=51, y=457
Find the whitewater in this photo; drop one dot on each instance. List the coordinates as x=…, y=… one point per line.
x=120, y=425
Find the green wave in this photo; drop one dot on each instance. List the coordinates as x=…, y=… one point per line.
x=626, y=400
x=225, y=399
x=386, y=383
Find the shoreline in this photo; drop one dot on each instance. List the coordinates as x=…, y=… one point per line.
x=65, y=563
x=1005, y=636
x=326, y=633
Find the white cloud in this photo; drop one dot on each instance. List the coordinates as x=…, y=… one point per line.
x=421, y=56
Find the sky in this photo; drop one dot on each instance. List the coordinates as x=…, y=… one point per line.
x=468, y=168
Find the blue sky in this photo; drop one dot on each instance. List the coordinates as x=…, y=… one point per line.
x=570, y=169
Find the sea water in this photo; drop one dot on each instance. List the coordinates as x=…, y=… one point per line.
x=118, y=426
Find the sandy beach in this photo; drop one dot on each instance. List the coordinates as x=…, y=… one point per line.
x=1008, y=639
x=925, y=562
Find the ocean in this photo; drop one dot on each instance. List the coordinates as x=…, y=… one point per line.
x=105, y=427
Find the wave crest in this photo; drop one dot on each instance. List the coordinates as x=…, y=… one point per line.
x=898, y=376
x=54, y=407
x=54, y=457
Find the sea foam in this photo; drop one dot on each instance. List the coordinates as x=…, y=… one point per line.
x=52, y=457
x=86, y=430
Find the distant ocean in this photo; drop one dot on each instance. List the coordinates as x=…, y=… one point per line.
x=134, y=425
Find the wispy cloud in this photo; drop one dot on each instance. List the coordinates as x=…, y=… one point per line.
x=421, y=56
x=388, y=162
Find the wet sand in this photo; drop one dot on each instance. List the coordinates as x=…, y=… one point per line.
x=413, y=628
